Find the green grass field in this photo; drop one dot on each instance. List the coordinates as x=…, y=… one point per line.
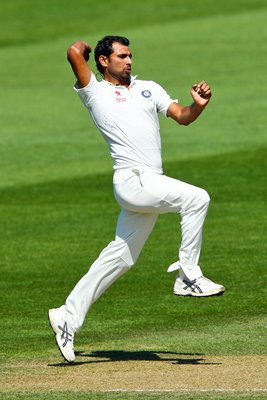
x=56, y=201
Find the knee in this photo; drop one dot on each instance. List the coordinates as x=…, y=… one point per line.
x=204, y=197
x=127, y=262
x=130, y=254
x=200, y=200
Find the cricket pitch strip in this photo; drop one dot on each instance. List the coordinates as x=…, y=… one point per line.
x=141, y=371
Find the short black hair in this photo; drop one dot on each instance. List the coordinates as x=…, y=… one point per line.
x=104, y=48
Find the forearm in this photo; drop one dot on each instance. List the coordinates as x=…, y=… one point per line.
x=189, y=114
x=78, y=55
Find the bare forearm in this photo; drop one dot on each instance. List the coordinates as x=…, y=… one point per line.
x=78, y=55
x=189, y=114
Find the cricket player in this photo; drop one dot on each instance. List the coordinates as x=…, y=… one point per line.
x=125, y=110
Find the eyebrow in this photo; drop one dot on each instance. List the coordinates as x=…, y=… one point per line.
x=124, y=55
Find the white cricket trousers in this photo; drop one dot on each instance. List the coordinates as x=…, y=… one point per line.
x=142, y=195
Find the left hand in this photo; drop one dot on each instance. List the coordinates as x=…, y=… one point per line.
x=201, y=93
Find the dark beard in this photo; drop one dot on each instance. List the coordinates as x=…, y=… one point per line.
x=126, y=80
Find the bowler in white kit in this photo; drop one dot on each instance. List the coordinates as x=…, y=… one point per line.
x=125, y=110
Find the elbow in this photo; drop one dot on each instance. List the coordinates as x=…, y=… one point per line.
x=183, y=122
x=180, y=120
x=69, y=56
x=72, y=54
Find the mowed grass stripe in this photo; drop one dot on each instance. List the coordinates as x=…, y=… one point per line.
x=29, y=21
x=49, y=136
x=135, y=396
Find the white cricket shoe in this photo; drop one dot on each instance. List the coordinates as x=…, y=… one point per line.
x=58, y=319
x=200, y=287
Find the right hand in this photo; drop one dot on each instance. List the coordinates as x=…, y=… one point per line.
x=83, y=48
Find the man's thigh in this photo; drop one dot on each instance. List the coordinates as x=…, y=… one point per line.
x=133, y=229
x=149, y=192
x=173, y=195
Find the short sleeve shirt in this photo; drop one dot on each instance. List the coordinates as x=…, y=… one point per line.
x=128, y=119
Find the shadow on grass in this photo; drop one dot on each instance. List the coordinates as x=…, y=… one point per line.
x=105, y=356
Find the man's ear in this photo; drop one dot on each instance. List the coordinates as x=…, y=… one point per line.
x=103, y=61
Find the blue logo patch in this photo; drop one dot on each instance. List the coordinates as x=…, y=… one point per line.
x=146, y=93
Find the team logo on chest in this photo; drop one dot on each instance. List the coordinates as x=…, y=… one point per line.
x=119, y=97
x=146, y=93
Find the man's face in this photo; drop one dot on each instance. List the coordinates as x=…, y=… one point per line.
x=119, y=64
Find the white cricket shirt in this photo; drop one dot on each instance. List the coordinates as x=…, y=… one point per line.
x=128, y=120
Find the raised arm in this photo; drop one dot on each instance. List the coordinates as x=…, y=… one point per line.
x=78, y=55
x=184, y=115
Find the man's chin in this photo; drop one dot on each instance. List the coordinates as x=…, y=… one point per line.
x=126, y=80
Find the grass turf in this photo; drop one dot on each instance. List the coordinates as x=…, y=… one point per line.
x=57, y=207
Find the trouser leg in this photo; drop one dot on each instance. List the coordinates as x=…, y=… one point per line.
x=132, y=231
x=192, y=204
x=162, y=194
x=192, y=220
